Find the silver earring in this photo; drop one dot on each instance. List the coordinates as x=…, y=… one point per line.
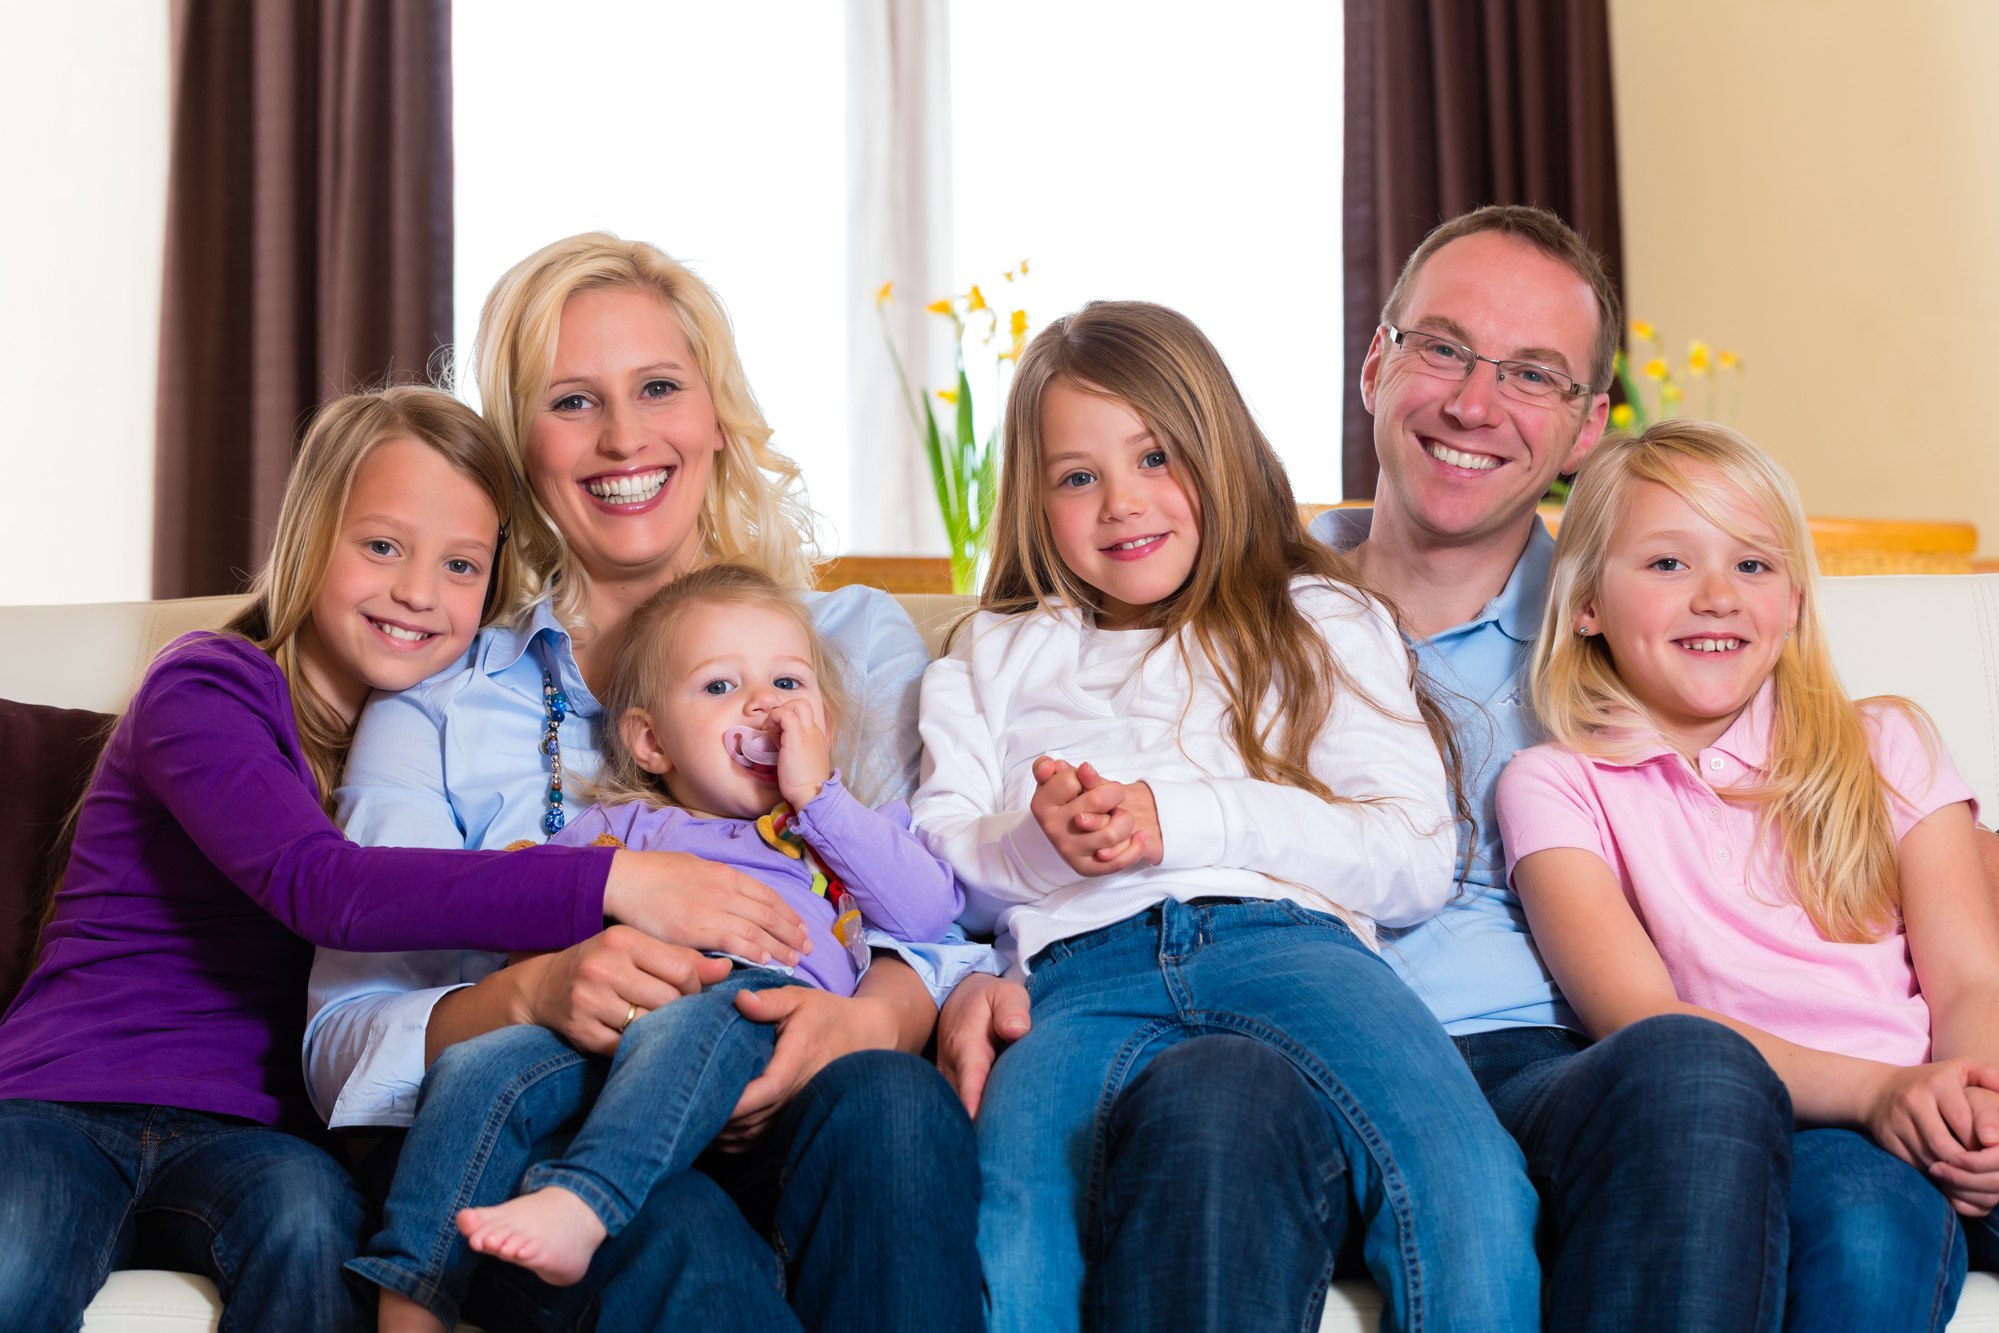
x=1582, y=631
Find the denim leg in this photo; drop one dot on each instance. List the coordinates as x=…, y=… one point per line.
x=877, y=1218
x=1981, y=1237
x=678, y=1073
x=1663, y=1157
x=268, y=1216
x=1449, y=1213
x=484, y=1105
x=1224, y=1198
x=1874, y=1245
x=66, y=1203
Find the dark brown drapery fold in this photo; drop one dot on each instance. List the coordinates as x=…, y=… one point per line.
x=1451, y=104
x=308, y=250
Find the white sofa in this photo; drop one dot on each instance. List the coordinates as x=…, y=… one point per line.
x=1934, y=638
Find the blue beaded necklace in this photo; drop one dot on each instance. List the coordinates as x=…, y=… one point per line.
x=555, y=707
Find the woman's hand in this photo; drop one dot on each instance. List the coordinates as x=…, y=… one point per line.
x=1079, y=813
x=1971, y=1180
x=685, y=900
x=982, y=1015
x=1925, y=1115
x=804, y=750
x=814, y=1028
x=587, y=993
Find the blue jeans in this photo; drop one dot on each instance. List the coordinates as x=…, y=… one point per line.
x=1874, y=1245
x=1663, y=1158
x=1225, y=1196
x=1450, y=1214
x=267, y=1216
x=789, y=1234
x=666, y=1094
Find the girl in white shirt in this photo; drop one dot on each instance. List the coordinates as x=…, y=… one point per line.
x=1179, y=763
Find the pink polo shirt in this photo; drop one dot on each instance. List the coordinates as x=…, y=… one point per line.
x=1712, y=890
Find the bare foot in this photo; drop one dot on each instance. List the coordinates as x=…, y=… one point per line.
x=400, y=1314
x=550, y=1232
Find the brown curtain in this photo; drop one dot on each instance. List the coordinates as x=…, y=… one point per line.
x=308, y=249
x=1451, y=104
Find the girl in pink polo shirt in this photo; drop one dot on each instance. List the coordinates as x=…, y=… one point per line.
x=1718, y=830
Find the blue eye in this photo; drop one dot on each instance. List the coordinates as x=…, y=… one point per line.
x=1077, y=480
x=789, y=683
x=718, y=687
x=381, y=547
x=659, y=389
x=1753, y=566
x=569, y=402
x=1528, y=374
x=1154, y=458
x=461, y=567
x=1669, y=564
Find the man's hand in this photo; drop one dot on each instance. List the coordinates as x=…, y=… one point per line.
x=814, y=1028
x=983, y=1014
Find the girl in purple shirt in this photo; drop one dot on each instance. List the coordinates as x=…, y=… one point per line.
x=720, y=724
x=150, y=1084
x=1719, y=831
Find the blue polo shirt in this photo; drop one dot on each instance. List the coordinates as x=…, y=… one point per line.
x=1473, y=963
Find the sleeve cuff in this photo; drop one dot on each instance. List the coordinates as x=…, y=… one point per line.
x=382, y=1088
x=1191, y=825
x=942, y=965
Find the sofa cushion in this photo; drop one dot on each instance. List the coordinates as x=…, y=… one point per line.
x=52, y=751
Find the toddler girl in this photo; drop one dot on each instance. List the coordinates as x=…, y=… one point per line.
x=150, y=1065
x=1718, y=830
x=725, y=710
x=1178, y=762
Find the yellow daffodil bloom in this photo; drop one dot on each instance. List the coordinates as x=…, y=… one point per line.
x=1017, y=326
x=1669, y=392
x=1642, y=331
x=1697, y=357
x=1023, y=268
x=882, y=293
x=974, y=299
x=1622, y=416
x=939, y=307
x=1655, y=369
x=949, y=395
x=1728, y=360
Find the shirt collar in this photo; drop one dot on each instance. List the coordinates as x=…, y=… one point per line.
x=503, y=645
x=1517, y=608
x=1747, y=740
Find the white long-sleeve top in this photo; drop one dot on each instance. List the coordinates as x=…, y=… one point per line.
x=1014, y=688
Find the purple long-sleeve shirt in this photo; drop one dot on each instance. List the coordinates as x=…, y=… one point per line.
x=204, y=870
x=898, y=885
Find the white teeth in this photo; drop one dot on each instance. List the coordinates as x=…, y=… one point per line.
x=636, y=488
x=1711, y=645
x=1135, y=543
x=1443, y=453
x=398, y=632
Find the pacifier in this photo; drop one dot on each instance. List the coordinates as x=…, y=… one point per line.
x=753, y=749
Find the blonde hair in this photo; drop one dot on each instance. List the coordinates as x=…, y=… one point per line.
x=343, y=434
x=638, y=676
x=754, y=511
x=1824, y=794
x=1237, y=603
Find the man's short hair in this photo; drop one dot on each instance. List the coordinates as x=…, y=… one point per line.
x=1551, y=236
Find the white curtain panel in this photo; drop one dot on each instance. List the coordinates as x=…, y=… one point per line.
x=899, y=231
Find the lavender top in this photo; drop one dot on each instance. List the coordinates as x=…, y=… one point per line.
x=173, y=970
x=898, y=886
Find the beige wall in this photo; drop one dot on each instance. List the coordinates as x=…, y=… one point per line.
x=1815, y=184
x=83, y=166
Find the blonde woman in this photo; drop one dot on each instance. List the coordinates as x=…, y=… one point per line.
x=1717, y=830
x=611, y=374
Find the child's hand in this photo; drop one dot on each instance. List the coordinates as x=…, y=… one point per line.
x=804, y=750
x=1971, y=1180
x=1925, y=1115
x=1080, y=822
x=1146, y=843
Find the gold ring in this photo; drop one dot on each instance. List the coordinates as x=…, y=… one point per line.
x=631, y=1012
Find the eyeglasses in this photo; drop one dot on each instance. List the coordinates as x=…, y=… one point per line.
x=1524, y=380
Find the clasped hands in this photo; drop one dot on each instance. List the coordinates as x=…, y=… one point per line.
x=1097, y=826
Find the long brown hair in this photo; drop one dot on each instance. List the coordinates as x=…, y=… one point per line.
x=1824, y=794
x=1236, y=605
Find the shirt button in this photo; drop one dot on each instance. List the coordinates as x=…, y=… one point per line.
x=1713, y=816
x=1715, y=763
x=1724, y=853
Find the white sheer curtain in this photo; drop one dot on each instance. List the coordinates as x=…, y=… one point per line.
x=899, y=232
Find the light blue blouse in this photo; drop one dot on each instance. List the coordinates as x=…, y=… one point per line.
x=456, y=762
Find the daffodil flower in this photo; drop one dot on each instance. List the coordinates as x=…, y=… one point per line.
x=1697, y=357
x=882, y=294
x=1622, y=416
x=975, y=300
x=1669, y=392
x=1642, y=331
x=942, y=307
x=949, y=395
x=1728, y=360
x=1655, y=369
